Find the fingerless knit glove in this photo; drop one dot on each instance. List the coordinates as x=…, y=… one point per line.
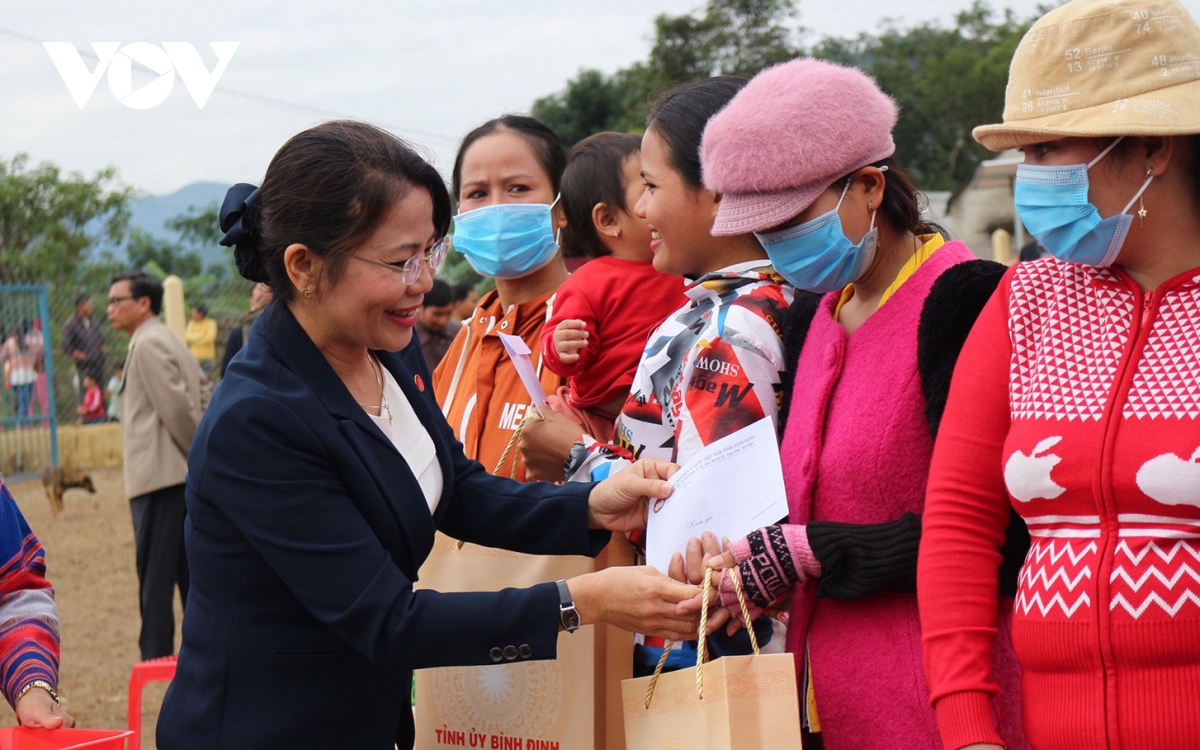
x=770, y=561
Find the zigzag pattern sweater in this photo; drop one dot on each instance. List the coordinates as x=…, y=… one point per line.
x=1075, y=400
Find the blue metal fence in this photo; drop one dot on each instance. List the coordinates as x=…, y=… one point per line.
x=28, y=422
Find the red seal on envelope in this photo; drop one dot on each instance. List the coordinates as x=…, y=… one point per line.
x=420, y=383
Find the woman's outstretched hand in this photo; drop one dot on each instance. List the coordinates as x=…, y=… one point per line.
x=701, y=552
x=636, y=598
x=622, y=502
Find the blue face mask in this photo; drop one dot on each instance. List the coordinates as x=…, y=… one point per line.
x=507, y=240
x=1053, y=204
x=816, y=256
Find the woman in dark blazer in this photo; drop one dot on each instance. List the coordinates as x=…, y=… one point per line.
x=323, y=467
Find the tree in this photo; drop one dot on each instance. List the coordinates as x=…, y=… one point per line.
x=198, y=232
x=590, y=103
x=746, y=36
x=50, y=222
x=946, y=81
x=733, y=37
x=198, y=227
x=682, y=50
x=163, y=257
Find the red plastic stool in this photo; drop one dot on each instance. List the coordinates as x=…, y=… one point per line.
x=151, y=670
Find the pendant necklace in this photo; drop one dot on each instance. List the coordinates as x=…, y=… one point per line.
x=383, y=404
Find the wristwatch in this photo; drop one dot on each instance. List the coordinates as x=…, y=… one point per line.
x=567, y=614
x=575, y=459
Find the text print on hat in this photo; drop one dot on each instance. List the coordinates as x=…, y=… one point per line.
x=1102, y=68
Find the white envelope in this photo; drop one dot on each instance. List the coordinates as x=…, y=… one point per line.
x=731, y=487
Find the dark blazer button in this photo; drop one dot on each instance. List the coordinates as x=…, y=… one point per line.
x=510, y=652
x=496, y=654
x=524, y=651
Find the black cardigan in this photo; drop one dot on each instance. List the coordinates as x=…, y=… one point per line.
x=857, y=559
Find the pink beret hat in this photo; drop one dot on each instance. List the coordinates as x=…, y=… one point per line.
x=790, y=133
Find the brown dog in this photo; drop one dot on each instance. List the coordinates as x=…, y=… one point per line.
x=57, y=479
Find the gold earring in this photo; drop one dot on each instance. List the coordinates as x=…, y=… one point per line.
x=1142, y=202
x=307, y=293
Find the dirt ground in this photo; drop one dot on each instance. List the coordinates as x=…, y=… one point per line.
x=90, y=562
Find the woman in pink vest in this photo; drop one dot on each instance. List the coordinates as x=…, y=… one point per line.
x=1076, y=402
x=870, y=352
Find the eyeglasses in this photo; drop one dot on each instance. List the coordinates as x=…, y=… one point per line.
x=114, y=301
x=410, y=270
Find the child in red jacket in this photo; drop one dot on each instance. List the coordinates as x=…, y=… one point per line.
x=91, y=411
x=606, y=310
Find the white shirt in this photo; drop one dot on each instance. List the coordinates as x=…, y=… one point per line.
x=411, y=439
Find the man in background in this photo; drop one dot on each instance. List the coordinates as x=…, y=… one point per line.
x=465, y=299
x=83, y=342
x=436, y=327
x=260, y=295
x=161, y=399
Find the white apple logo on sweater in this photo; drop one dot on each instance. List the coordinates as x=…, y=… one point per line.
x=1028, y=477
x=1171, y=479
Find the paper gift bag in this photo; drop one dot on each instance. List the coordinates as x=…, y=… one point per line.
x=731, y=703
x=571, y=702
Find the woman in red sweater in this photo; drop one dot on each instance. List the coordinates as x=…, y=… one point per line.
x=1075, y=402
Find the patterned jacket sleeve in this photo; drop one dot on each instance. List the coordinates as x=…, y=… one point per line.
x=593, y=460
x=734, y=382
x=28, y=616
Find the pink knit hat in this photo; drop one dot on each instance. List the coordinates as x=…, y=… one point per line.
x=790, y=133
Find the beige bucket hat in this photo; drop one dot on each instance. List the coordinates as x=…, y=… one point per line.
x=1100, y=68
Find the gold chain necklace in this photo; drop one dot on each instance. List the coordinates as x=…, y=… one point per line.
x=383, y=404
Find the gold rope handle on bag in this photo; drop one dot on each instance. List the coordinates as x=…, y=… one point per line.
x=737, y=589
x=662, y=660
x=508, y=450
x=702, y=645
x=512, y=442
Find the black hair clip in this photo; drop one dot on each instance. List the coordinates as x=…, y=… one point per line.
x=236, y=214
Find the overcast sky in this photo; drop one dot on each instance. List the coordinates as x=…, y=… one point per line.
x=429, y=70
